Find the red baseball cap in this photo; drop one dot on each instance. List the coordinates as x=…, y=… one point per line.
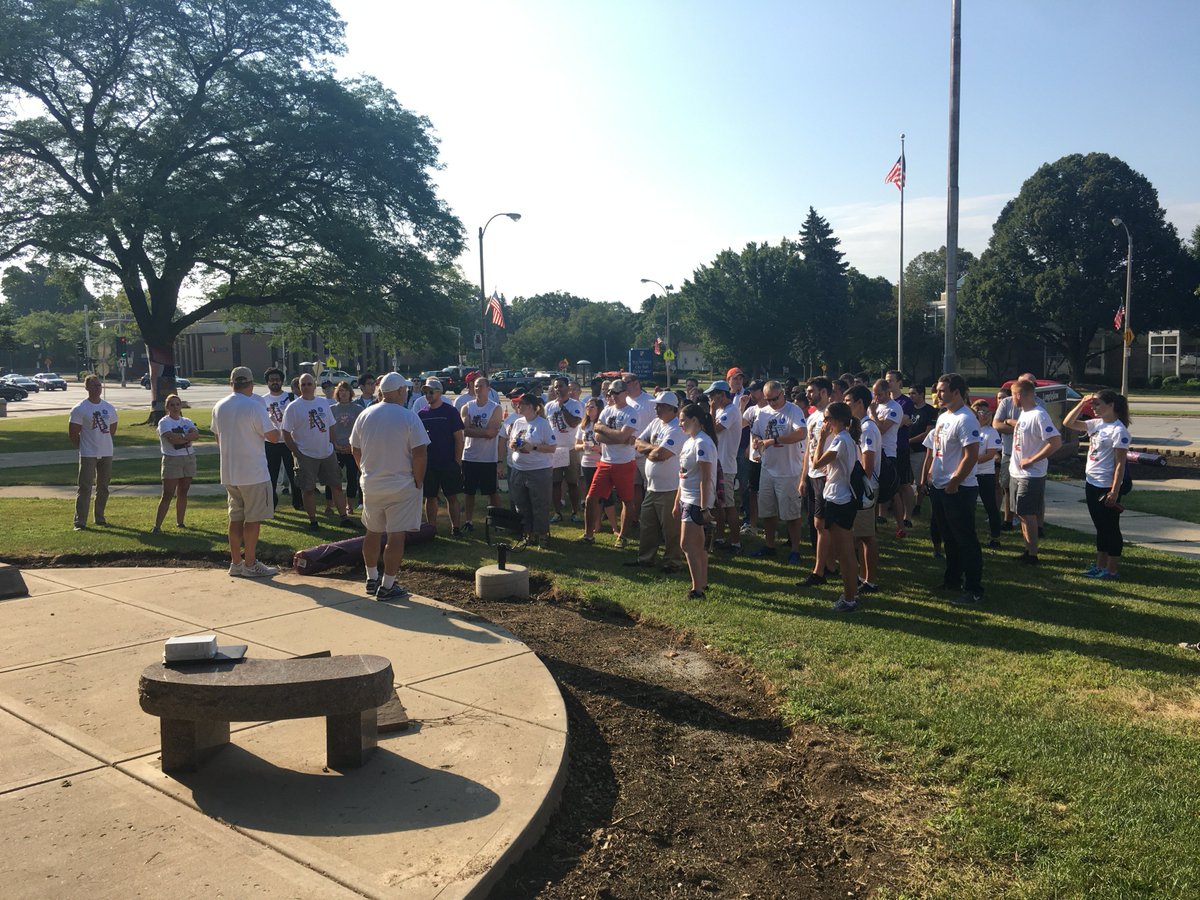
x=734, y=371
x=471, y=376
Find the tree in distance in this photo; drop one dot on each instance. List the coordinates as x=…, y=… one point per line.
x=205, y=150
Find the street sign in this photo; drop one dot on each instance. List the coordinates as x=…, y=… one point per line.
x=641, y=362
x=331, y=362
x=102, y=368
x=1128, y=336
x=317, y=367
x=478, y=341
x=669, y=355
x=103, y=351
x=562, y=365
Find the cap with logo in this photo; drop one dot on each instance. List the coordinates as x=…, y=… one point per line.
x=616, y=386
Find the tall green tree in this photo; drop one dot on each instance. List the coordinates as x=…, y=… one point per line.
x=824, y=305
x=206, y=147
x=925, y=333
x=40, y=288
x=871, y=322
x=587, y=331
x=1055, y=265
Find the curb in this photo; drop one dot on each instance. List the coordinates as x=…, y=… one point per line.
x=1169, y=451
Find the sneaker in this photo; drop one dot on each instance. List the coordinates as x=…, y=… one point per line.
x=80, y=527
x=259, y=570
x=994, y=544
x=901, y=534
x=671, y=568
x=1092, y=571
x=793, y=558
x=395, y=592
x=455, y=532
x=908, y=523
x=747, y=529
x=812, y=580
x=237, y=570
x=586, y=539
x=1106, y=575
x=156, y=530
x=468, y=527
x=314, y=525
x=347, y=522
x=763, y=551
x=181, y=525
x=881, y=520
x=733, y=549
x=695, y=595
x=372, y=586
x=843, y=605
x=866, y=587
x=555, y=519
x=575, y=520
x=1029, y=560
x=967, y=598
x=284, y=490
x=619, y=543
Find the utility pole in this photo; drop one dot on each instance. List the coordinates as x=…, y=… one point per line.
x=950, y=356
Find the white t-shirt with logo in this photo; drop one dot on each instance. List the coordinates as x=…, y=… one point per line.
x=308, y=422
x=558, y=421
x=241, y=424
x=480, y=449
x=837, y=473
x=989, y=439
x=871, y=440
x=663, y=475
x=728, y=440
x=748, y=419
x=277, y=405
x=1033, y=431
x=584, y=434
x=386, y=435
x=529, y=432
x=96, y=421
x=502, y=437
x=619, y=418
x=948, y=439
x=815, y=422
x=890, y=411
x=784, y=461
x=1104, y=439
x=696, y=450
x=167, y=425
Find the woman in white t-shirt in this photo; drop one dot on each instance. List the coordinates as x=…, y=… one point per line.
x=990, y=445
x=175, y=437
x=840, y=433
x=531, y=444
x=697, y=494
x=589, y=448
x=1108, y=448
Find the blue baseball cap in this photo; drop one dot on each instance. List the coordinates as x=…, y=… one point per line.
x=719, y=386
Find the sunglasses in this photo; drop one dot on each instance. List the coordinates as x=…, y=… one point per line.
x=776, y=397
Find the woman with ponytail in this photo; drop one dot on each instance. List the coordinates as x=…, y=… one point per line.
x=1108, y=446
x=697, y=492
x=840, y=433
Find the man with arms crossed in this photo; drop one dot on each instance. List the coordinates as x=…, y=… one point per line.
x=241, y=423
x=1035, y=440
x=307, y=425
x=388, y=442
x=91, y=428
x=482, y=418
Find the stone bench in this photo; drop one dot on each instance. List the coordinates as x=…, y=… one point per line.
x=197, y=701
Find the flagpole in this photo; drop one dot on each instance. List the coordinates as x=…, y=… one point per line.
x=900, y=292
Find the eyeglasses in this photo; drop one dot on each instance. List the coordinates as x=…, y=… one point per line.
x=776, y=397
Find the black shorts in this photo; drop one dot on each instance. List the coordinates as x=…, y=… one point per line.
x=816, y=491
x=479, y=478
x=904, y=472
x=447, y=479
x=692, y=513
x=841, y=514
x=887, y=480
x=755, y=474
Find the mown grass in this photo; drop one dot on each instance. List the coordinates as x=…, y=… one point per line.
x=125, y=471
x=1183, y=505
x=47, y=433
x=1059, y=725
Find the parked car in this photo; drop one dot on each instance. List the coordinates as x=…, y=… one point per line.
x=50, y=381
x=24, y=382
x=180, y=382
x=337, y=376
x=508, y=381
x=11, y=392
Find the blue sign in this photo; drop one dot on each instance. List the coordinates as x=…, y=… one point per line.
x=641, y=363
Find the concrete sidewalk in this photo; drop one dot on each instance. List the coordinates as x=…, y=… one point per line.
x=1066, y=507
x=439, y=810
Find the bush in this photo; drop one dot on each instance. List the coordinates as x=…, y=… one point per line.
x=1156, y=382
x=1193, y=382
x=1172, y=381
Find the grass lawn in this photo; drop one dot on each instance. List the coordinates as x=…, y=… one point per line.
x=1058, y=727
x=1183, y=505
x=125, y=471
x=40, y=433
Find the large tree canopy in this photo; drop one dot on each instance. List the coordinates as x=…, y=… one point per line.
x=1055, y=265
x=205, y=147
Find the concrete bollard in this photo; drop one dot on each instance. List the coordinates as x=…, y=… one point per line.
x=494, y=583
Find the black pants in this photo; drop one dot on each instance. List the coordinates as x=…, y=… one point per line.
x=1107, y=520
x=279, y=455
x=346, y=461
x=987, y=494
x=955, y=515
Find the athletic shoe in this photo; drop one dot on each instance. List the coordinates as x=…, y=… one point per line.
x=812, y=580
x=908, y=523
x=181, y=525
x=747, y=529
x=866, y=587
x=1008, y=526
x=763, y=551
x=1028, y=559
x=793, y=559
x=881, y=520
x=843, y=605
x=695, y=595
x=80, y=527
x=671, y=568
x=258, y=570
x=994, y=544
x=156, y=530
x=395, y=592
x=346, y=522
x=237, y=570
x=720, y=544
x=1108, y=576
x=1092, y=571
x=314, y=525
x=372, y=586
x=103, y=523
x=468, y=527
x=619, y=543
x=586, y=539
x=455, y=532
x=733, y=549
x=967, y=598
x=575, y=520
x=555, y=519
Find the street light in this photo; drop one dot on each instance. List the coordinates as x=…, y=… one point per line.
x=666, y=289
x=1128, y=291
x=516, y=217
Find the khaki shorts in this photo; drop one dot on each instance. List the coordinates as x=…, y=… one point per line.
x=864, y=523
x=176, y=467
x=250, y=502
x=309, y=471
x=729, y=492
x=779, y=497
x=391, y=512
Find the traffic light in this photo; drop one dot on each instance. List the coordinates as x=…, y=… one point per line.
x=80, y=350
x=122, y=348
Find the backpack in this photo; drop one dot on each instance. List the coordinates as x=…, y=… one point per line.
x=861, y=487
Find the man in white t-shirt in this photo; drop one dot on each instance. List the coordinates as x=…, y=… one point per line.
x=92, y=424
x=618, y=428
x=890, y=419
x=778, y=434
x=751, y=404
x=640, y=403
x=482, y=418
x=241, y=424
x=388, y=442
x=659, y=443
x=727, y=419
x=306, y=428
x=564, y=416
x=1035, y=440
x=278, y=454
x=819, y=392
x=948, y=474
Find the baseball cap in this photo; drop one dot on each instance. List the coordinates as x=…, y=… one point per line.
x=668, y=398
x=756, y=385
x=734, y=371
x=393, y=381
x=530, y=398
x=241, y=375
x=471, y=376
x=433, y=384
x=617, y=386
x=719, y=386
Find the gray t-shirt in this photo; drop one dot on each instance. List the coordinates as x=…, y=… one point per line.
x=1008, y=409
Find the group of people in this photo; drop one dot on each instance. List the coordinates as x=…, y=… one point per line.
x=688, y=471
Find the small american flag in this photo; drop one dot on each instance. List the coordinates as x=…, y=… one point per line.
x=1119, y=318
x=896, y=175
x=496, y=310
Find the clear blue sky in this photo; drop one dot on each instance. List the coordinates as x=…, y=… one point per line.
x=639, y=139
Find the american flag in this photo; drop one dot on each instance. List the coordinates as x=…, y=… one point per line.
x=1119, y=318
x=658, y=346
x=496, y=310
x=896, y=175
